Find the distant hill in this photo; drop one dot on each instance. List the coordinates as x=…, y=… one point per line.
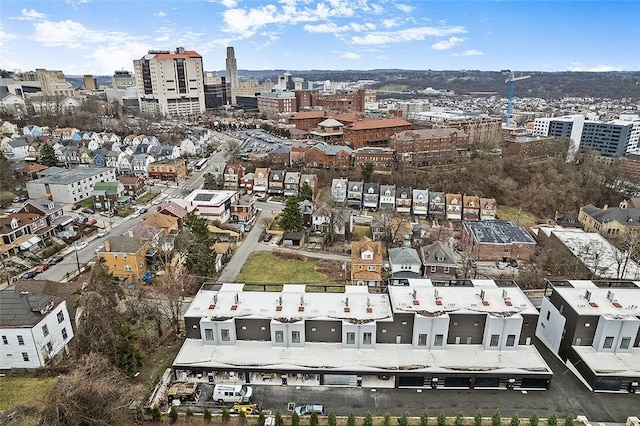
x=547, y=85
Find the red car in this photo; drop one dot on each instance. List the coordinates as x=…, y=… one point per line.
x=41, y=268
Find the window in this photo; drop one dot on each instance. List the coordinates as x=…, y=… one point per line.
x=5, y=341
x=433, y=268
x=25, y=356
x=208, y=334
x=50, y=347
x=20, y=341
x=60, y=317
x=366, y=339
x=64, y=334
x=494, y=340
x=295, y=336
x=548, y=314
x=625, y=342
x=45, y=330
x=422, y=340
x=351, y=338
x=279, y=336
x=224, y=334
x=439, y=340
x=511, y=339
x=446, y=269
x=608, y=342
x=371, y=268
x=127, y=267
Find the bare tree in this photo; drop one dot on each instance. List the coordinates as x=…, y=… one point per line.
x=175, y=283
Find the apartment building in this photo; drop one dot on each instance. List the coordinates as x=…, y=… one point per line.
x=595, y=326
x=474, y=335
x=213, y=204
x=170, y=83
x=429, y=147
x=373, y=131
x=170, y=170
x=69, y=186
x=273, y=104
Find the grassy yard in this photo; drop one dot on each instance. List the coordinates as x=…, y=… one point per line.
x=150, y=195
x=360, y=231
x=266, y=268
x=518, y=216
x=24, y=390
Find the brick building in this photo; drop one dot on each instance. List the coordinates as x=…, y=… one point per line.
x=327, y=156
x=168, y=170
x=381, y=158
x=430, y=146
x=373, y=131
x=500, y=240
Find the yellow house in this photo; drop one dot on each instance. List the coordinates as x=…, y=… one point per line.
x=168, y=224
x=366, y=263
x=168, y=169
x=125, y=256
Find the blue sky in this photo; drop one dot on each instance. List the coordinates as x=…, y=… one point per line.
x=100, y=36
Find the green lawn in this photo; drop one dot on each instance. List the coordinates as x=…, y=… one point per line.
x=360, y=231
x=265, y=268
x=24, y=390
x=150, y=195
x=518, y=216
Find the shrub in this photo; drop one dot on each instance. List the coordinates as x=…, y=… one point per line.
x=261, y=419
x=459, y=419
x=313, y=420
x=351, y=419
x=295, y=419
x=533, y=420
x=188, y=413
x=386, y=421
x=368, y=419
x=403, y=420
x=277, y=418
x=442, y=418
x=477, y=420
x=156, y=415
x=515, y=420
x=331, y=418
x=173, y=414
x=568, y=421
x=496, y=419
x=242, y=417
x=225, y=414
x=424, y=418
x=553, y=420
x=206, y=415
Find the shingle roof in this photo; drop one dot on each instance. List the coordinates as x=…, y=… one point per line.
x=24, y=309
x=404, y=255
x=629, y=216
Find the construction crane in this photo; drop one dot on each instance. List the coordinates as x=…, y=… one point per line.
x=511, y=80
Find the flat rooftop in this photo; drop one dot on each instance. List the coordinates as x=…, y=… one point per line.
x=204, y=196
x=498, y=232
x=66, y=177
x=610, y=364
x=615, y=301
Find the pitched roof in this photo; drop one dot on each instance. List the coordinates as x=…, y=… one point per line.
x=438, y=250
x=160, y=220
x=404, y=255
x=173, y=209
x=629, y=216
x=24, y=309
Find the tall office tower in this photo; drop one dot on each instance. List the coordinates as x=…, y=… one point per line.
x=90, y=82
x=53, y=83
x=170, y=83
x=232, y=68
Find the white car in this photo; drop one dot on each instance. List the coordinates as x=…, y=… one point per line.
x=80, y=246
x=99, y=248
x=103, y=233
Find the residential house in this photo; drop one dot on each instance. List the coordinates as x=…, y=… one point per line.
x=51, y=210
x=403, y=200
x=125, y=256
x=213, y=204
x=73, y=154
x=454, y=206
x=610, y=220
x=404, y=262
x=134, y=186
x=370, y=196
x=291, y=184
x=86, y=156
x=306, y=209
x=108, y=195
x=328, y=156
x=125, y=166
x=174, y=209
x=232, y=175
x=140, y=164
x=276, y=184
x=170, y=170
x=29, y=171
x=35, y=328
x=16, y=149
x=312, y=181
x=167, y=223
x=244, y=209
x=246, y=183
x=354, y=194
x=33, y=149
x=339, y=190
x=439, y=262
x=387, y=197
x=100, y=158
x=69, y=186
x=437, y=205
x=420, y=203
x=22, y=231
x=261, y=180
x=280, y=155
x=366, y=263
x=594, y=325
x=341, y=217
x=488, y=208
x=471, y=207
x=223, y=253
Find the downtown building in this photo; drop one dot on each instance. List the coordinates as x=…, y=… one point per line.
x=170, y=83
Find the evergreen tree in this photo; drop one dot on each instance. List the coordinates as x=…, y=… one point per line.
x=206, y=415
x=225, y=414
x=277, y=418
x=156, y=414
x=306, y=193
x=496, y=419
x=367, y=172
x=295, y=419
x=313, y=420
x=261, y=419
x=130, y=357
x=386, y=420
x=211, y=181
x=403, y=420
x=7, y=179
x=331, y=418
x=199, y=260
x=568, y=421
x=188, y=413
x=533, y=420
x=515, y=420
x=441, y=419
x=424, y=418
x=351, y=419
x=477, y=420
x=553, y=420
x=242, y=416
x=291, y=217
x=368, y=419
x=173, y=414
x=459, y=419
x=48, y=155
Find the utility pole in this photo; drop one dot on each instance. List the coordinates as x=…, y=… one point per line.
x=77, y=258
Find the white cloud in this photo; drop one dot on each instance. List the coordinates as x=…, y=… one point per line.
x=471, y=52
x=579, y=66
x=350, y=55
x=160, y=14
x=362, y=27
x=5, y=36
x=447, y=44
x=77, y=2
x=30, y=15
x=409, y=34
x=390, y=23
x=405, y=8
x=229, y=3
x=331, y=28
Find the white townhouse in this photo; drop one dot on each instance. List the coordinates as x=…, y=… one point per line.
x=34, y=328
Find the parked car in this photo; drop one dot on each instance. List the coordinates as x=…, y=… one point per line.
x=28, y=275
x=106, y=214
x=307, y=409
x=143, y=210
x=267, y=238
x=80, y=246
x=502, y=265
x=41, y=268
x=247, y=227
x=473, y=263
x=99, y=248
x=103, y=233
x=88, y=211
x=513, y=263
x=156, y=202
x=55, y=259
x=91, y=221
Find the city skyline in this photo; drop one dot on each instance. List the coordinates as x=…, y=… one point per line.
x=99, y=37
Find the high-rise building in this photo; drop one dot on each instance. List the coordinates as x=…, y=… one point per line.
x=90, y=82
x=170, y=83
x=232, y=68
x=53, y=83
x=122, y=79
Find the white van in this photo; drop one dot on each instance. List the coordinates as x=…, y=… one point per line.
x=231, y=393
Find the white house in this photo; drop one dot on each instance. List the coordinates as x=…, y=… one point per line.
x=34, y=328
x=70, y=186
x=16, y=149
x=12, y=104
x=213, y=204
